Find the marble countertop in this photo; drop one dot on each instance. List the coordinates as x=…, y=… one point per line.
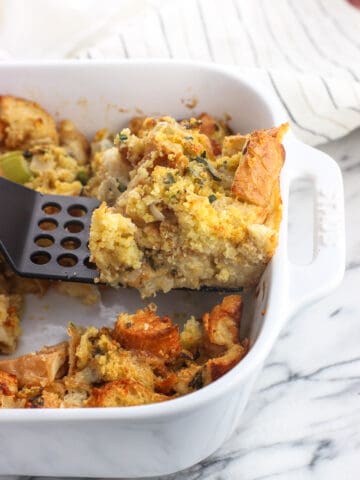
x=302, y=421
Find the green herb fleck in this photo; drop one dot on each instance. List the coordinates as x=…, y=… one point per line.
x=212, y=198
x=121, y=187
x=122, y=137
x=196, y=354
x=148, y=256
x=196, y=382
x=37, y=401
x=189, y=139
x=203, y=155
x=201, y=160
x=211, y=170
x=186, y=355
x=97, y=351
x=27, y=154
x=169, y=179
x=82, y=177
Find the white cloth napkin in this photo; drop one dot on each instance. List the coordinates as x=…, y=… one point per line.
x=308, y=51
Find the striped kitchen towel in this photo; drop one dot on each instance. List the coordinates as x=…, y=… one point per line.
x=308, y=51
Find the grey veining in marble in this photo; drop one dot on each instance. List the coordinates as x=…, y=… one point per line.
x=303, y=418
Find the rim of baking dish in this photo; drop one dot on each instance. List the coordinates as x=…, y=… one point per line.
x=276, y=311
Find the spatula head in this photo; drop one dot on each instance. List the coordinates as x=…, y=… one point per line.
x=46, y=236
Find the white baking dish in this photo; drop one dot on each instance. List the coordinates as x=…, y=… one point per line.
x=163, y=438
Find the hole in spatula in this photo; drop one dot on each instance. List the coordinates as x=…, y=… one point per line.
x=51, y=208
x=48, y=224
x=77, y=211
x=44, y=241
x=67, y=260
x=74, y=227
x=70, y=243
x=40, y=258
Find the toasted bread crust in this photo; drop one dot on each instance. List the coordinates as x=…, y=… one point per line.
x=123, y=393
x=258, y=173
x=217, y=367
x=146, y=331
x=8, y=383
x=222, y=338
x=222, y=324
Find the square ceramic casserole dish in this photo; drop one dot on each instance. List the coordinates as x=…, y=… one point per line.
x=163, y=438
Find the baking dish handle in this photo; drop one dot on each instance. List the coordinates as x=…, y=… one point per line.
x=310, y=282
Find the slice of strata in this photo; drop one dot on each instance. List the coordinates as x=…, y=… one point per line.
x=200, y=208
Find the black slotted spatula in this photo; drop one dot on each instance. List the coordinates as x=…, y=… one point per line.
x=46, y=236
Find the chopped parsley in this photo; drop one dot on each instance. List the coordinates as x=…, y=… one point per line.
x=27, y=154
x=212, y=198
x=211, y=170
x=189, y=139
x=37, y=401
x=122, y=137
x=152, y=263
x=169, y=179
x=201, y=160
x=121, y=187
x=196, y=382
x=82, y=177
